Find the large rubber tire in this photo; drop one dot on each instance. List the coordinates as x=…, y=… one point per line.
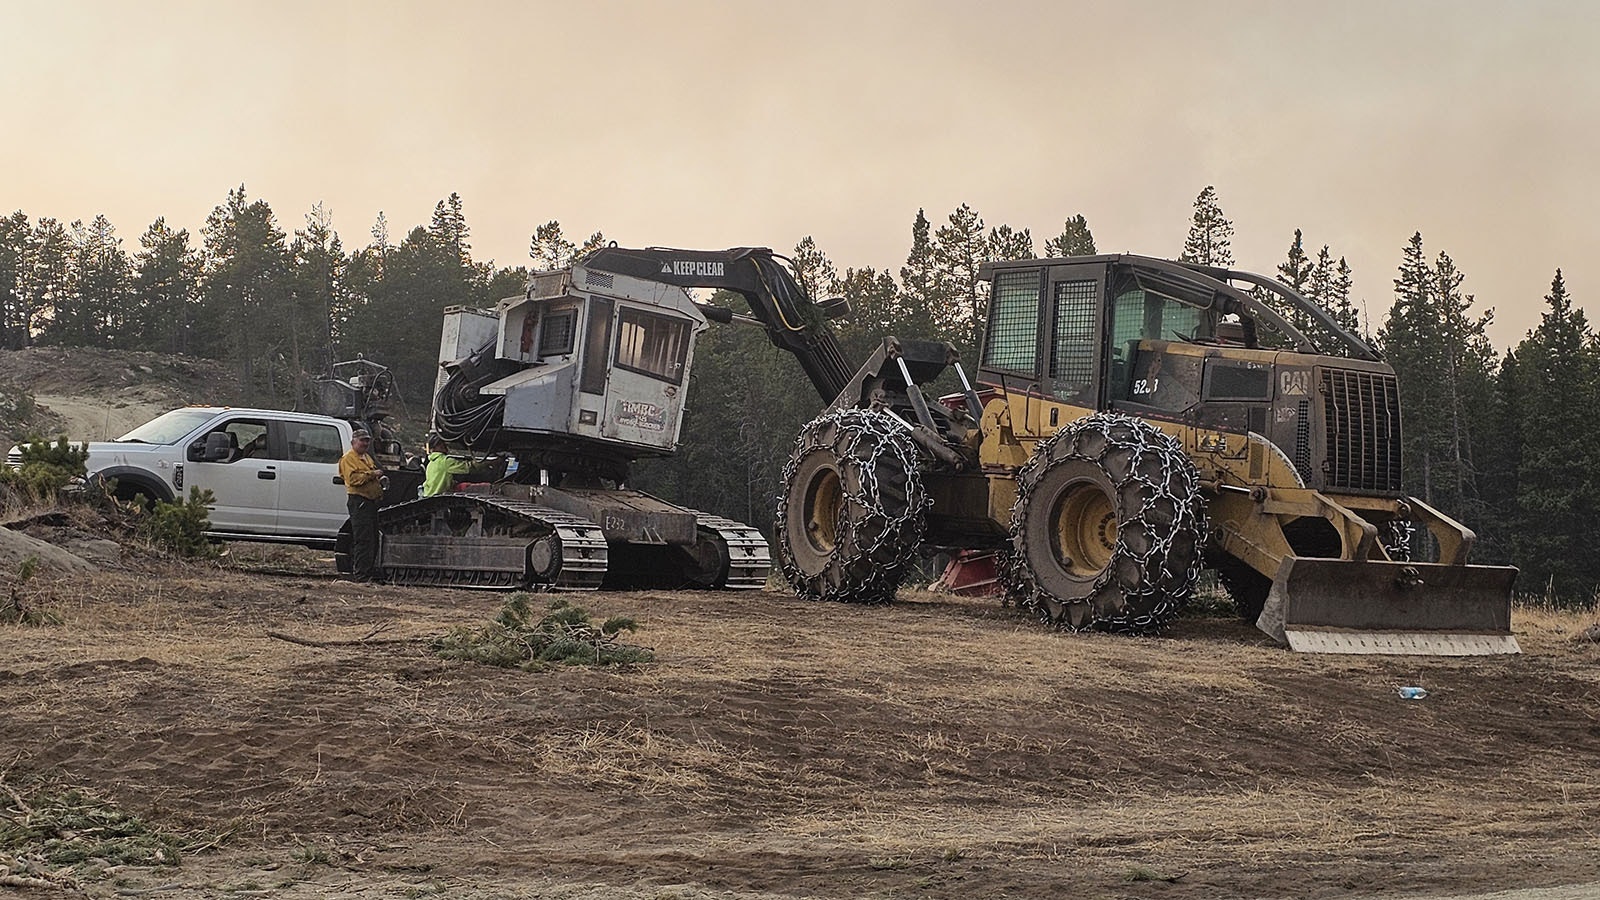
x=851, y=513
x=1107, y=528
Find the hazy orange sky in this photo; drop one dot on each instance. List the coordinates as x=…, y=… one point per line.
x=707, y=125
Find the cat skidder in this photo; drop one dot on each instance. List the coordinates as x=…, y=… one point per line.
x=1133, y=421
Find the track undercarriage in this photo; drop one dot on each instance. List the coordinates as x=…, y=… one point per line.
x=529, y=537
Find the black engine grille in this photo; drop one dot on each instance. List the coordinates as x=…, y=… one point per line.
x=1361, y=412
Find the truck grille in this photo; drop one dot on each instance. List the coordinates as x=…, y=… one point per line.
x=1361, y=412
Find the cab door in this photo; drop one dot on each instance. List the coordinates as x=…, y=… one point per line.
x=311, y=502
x=243, y=479
x=1073, y=317
x=644, y=393
x=1043, y=343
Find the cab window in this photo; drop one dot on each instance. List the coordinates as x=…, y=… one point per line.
x=309, y=442
x=556, y=332
x=1143, y=315
x=652, y=345
x=247, y=439
x=1072, y=350
x=1013, y=321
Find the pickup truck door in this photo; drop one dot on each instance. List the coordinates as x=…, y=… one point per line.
x=311, y=502
x=244, y=482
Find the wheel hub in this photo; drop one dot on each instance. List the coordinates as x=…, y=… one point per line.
x=1083, y=529
x=824, y=506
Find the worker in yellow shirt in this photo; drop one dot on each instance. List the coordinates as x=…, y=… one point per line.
x=364, y=482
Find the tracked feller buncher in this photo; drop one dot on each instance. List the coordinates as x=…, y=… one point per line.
x=1133, y=421
x=561, y=389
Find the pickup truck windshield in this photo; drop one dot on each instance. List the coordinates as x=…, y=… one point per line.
x=168, y=429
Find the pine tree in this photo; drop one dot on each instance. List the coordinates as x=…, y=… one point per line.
x=877, y=310
x=166, y=273
x=245, y=286
x=1075, y=239
x=1210, y=237
x=813, y=269
x=1549, y=390
x=918, y=279
x=449, y=228
x=1297, y=272
x=1441, y=352
x=101, y=276
x=1339, y=303
x=321, y=302
x=15, y=317
x=549, y=248
x=1501, y=460
x=592, y=243
x=397, y=295
x=48, y=275
x=1004, y=243
x=381, y=244
x=959, y=248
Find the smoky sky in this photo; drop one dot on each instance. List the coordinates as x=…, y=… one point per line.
x=710, y=125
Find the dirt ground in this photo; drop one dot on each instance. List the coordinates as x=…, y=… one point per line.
x=936, y=748
x=95, y=395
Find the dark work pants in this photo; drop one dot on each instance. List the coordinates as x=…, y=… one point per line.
x=363, y=535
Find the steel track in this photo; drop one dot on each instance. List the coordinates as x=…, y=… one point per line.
x=579, y=541
x=749, y=557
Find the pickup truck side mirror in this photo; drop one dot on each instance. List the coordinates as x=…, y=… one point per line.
x=217, y=448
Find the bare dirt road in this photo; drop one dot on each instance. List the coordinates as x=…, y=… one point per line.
x=935, y=748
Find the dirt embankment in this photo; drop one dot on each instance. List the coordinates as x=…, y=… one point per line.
x=934, y=748
x=92, y=395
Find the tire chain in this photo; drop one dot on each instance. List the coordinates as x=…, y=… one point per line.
x=1396, y=535
x=1156, y=462
x=881, y=542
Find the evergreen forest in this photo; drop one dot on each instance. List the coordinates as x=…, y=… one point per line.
x=1500, y=440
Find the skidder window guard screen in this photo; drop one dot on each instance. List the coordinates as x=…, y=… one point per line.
x=1013, y=321
x=1072, y=352
x=652, y=345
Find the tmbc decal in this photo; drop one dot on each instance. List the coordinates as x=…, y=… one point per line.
x=638, y=414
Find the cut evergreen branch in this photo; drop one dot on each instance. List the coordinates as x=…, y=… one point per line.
x=562, y=635
x=56, y=836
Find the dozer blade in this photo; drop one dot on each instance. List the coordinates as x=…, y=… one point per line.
x=1382, y=607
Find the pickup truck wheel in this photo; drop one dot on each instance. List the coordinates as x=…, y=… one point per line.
x=135, y=494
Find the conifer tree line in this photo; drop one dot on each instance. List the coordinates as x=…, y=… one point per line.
x=1502, y=442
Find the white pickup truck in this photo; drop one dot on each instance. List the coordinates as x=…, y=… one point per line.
x=274, y=474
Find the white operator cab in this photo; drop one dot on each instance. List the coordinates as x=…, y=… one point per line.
x=607, y=356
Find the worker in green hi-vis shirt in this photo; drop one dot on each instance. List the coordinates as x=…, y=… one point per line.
x=440, y=467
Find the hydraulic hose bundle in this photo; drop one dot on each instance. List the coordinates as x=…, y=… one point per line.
x=462, y=415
